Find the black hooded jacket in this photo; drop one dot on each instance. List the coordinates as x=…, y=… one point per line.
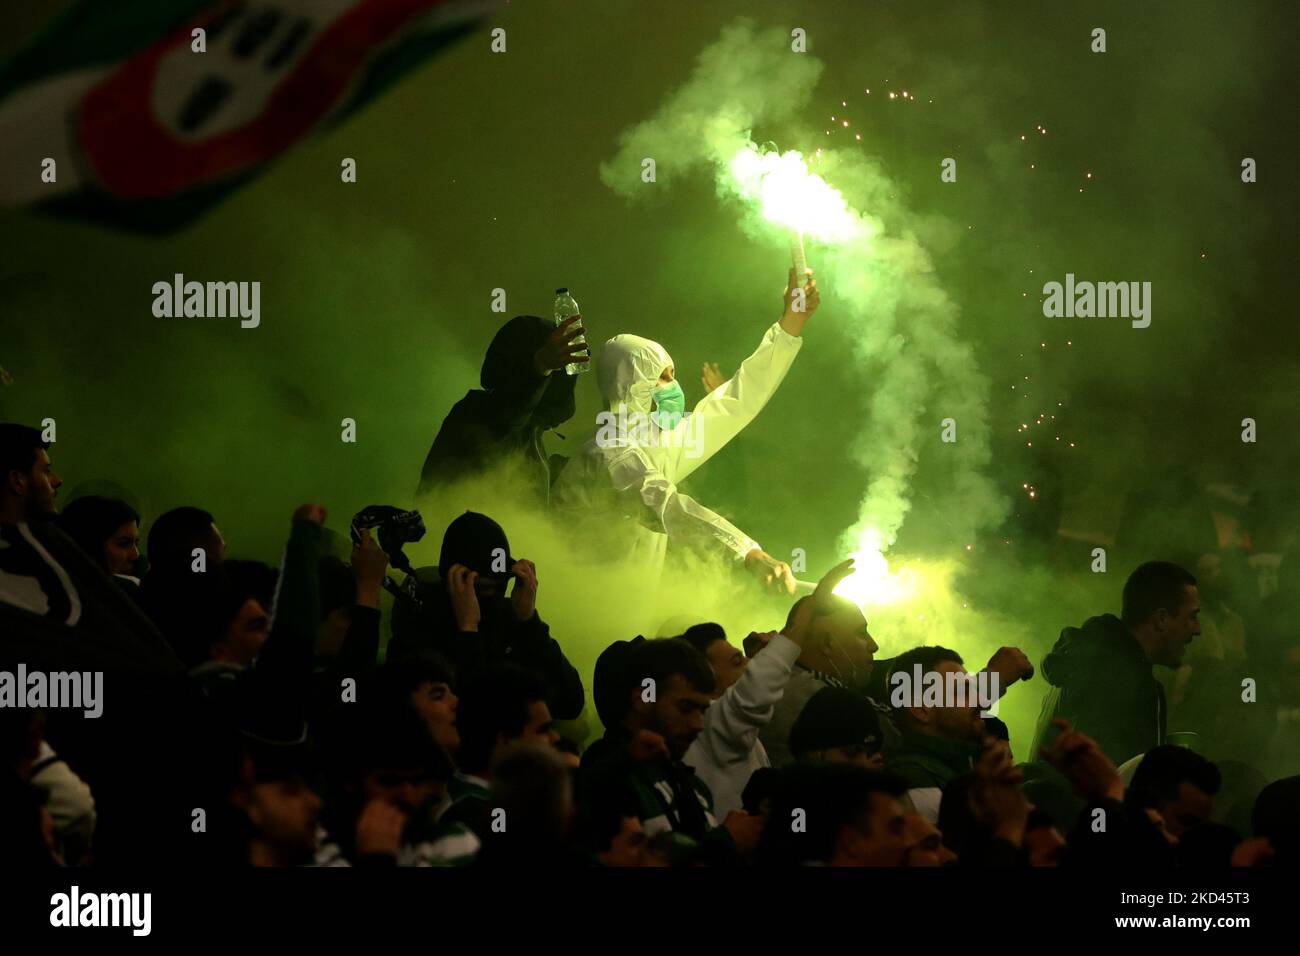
x=1102, y=683
x=429, y=622
x=508, y=416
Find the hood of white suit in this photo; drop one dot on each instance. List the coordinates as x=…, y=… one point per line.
x=628, y=370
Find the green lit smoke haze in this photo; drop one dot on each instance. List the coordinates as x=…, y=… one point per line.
x=881, y=285
x=481, y=172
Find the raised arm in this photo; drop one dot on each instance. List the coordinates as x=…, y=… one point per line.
x=280, y=678
x=360, y=651
x=727, y=409
x=732, y=723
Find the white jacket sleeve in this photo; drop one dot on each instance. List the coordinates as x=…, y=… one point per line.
x=731, y=406
x=69, y=802
x=732, y=722
x=681, y=517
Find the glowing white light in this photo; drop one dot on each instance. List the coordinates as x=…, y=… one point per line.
x=872, y=583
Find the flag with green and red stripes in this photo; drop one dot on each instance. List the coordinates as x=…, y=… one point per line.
x=147, y=133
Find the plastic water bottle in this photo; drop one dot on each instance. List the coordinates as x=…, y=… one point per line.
x=565, y=307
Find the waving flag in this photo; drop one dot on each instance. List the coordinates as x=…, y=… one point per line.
x=147, y=133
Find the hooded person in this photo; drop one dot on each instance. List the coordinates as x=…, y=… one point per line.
x=628, y=473
x=525, y=393
x=1101, y=681
x=463, y=613
x=1101, y=673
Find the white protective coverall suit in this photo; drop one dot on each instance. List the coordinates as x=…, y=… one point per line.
x=626, y=477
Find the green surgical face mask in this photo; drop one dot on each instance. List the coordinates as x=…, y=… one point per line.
x=670, y=402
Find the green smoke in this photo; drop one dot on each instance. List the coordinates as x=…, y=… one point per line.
x=479, y=172
x=882, y=292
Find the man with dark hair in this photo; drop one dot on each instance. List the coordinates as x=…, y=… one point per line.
x=424, y=687
x=1151, y=588
x=184, y=594
x=176, y=533
x=609, y=826
x=666, y=686
x=1101, y=672
x=392, y=761
x=1176, y=783
x=28, y=482
x=847, y=816
x=728, y=662
x=501, y=705
x=277, y=808
x=244, y=614
x=465, y=615
x=525, y=394
x=29, y=578
x=927, y=846
x=936, y=741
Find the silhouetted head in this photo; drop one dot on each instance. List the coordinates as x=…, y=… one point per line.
x=28, y=482
x=668, y=688
x=107, y=529
x=1177, y=783
x=838, y=726
x=727, y=661
x=177, y=533
x=509, y=361
x=1161, y=605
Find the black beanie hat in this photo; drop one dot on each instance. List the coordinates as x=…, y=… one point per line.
x=834, y=717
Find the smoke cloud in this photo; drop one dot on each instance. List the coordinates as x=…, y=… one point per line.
x=883, y=293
